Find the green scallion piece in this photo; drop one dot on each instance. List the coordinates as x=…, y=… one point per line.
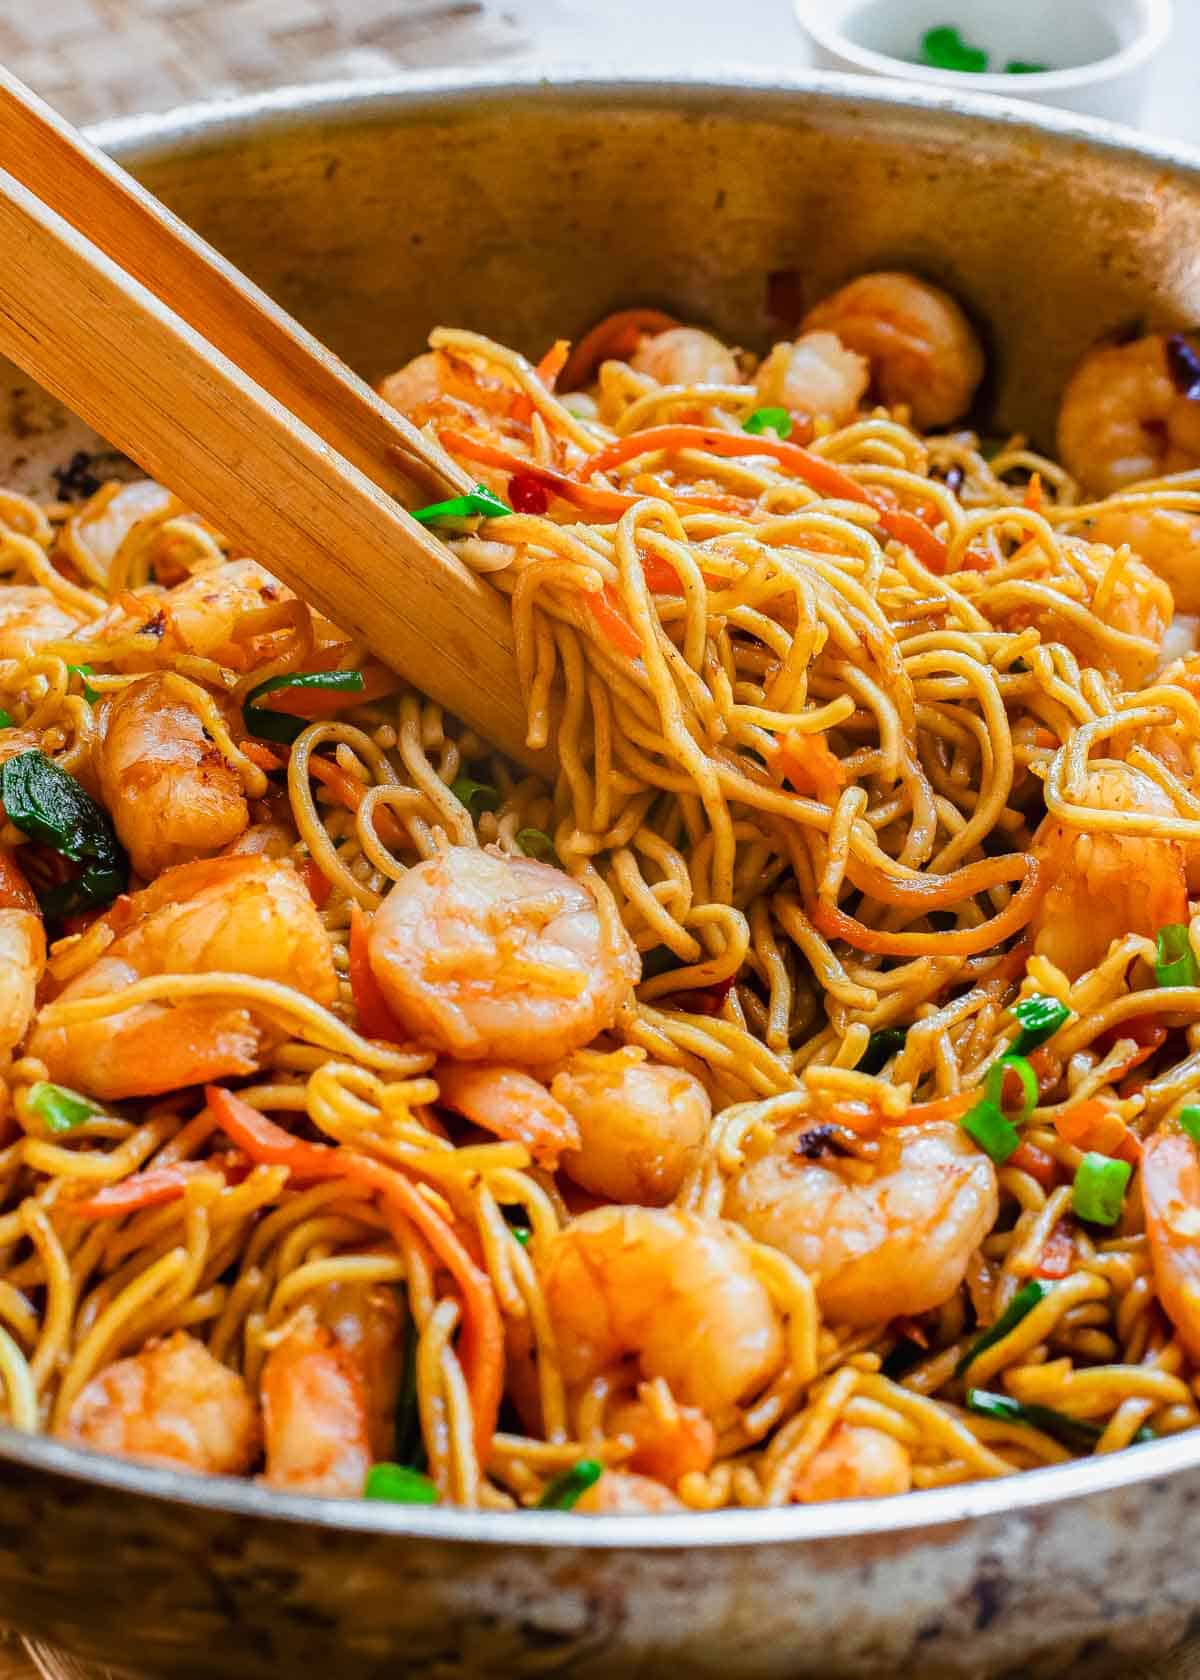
x=83, y=672
x=881, y=1047
x=399, y=1485
x=522, y=1234
x=1099, y=1191
x=535, y=843
x=776, y=420
x=1077, y=1433
x=1021, y=1305
x=476, y=796
x=6, y=721
x=992, y=1131
x=480, y=503
x=45, y=802
x=993, y=1088
x=1040, y=1019
x=1176, y=964
x=59, y=1109
x=1189, y=1121
x=565, y=1491
x=945, y=49
x=268, y=725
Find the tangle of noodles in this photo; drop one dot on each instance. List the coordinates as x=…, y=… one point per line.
x=407, y=1110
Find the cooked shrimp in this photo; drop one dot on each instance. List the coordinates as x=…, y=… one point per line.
x=922, y=350
x=172, y=1402
x=1100, y=887
x=102, y=526
x=1170, y=1176
x=620, y=1494
x=30, y=617
x=667, y=1444
x=640, y=1124
x=415, y=385
x=242, y=915
x=1165, y=541
x=1123, y=418
x=856, y=1462
x=171, y=795
x=892, y=1244
x=816, y=375
x=198, y=616
x=329, y=1392
x=486, y=956
x=672, y=1291
x=510, y=1103
x=22, y=962
x=686, y=356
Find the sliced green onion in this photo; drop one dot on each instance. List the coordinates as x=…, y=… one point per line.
x=536, y=843
x=400, y=1485
x=993, y=1088
x=522, y=1234
x=6, y=721
x=1040, y=1019
x=1021, y=1305
x=476, y=796
x=43, y=801
x=1189, y=1120
x=282, y=726
x=83, y=672
x=1099, y=1191
x=1176, y=964
x=992, y=1131
x=881, y=1047
x=565, y=1491
x=1077, y=1433
x=59, y=1109
x=776, y=420
x=481, y=502
x=945, y=49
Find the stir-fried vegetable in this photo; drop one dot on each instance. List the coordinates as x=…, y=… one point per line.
x=83, y=672
x=536, y=843
x=1176, y=961
x=565, y=1491
x=6, y=721
x=282, y=726
x=479, y=503
x=776, y=420
x=1189, y=1121
x=46, y=803
x=476, y=796
x=987, y=1122
x=400, y=1485
x=59, y=1109
x=1099, y=1191
x=1021, y=1305
x=1076, y=1433
x=1040, y=1019
x=881, y=1047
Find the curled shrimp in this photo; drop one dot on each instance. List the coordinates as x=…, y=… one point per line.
x=329, y=1391
x=31, y=616
x=482, y=956
x=922, y=350
x=22, y=953
x=416, y=385
x=816, y=375
x=1170, y=1176
x=669, y=1442
x=686, y=356
x=200, y=616
x=511, y=1104
x=100, y=527
x=1102, y=886
x=1165, y=541
x=856, y=1462
x=171, y=795
x=620, y=1493
x=676, y=1293
x=640, y=1124
x=243, y=915
x=171, y=1402
x=878, y=1243
x=1123, y=418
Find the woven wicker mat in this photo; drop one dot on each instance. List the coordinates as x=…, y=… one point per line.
x=102, y=58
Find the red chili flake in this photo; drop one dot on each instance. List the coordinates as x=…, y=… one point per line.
x=527, y=494
x=705, y=1000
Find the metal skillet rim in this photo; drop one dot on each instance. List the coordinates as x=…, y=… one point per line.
x=252, y=115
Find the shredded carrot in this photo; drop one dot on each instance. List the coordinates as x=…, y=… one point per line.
x=316, y=703
x=265, y=757
x=1038, y=1163
x=617, y=337
x=152, y=1188
x=375, y=1019
x=605, y=608
x=1033, y=494
x=547, y=370
x=868, y=1118
x=482, y=1339
x=1058, y=1256
x=1095, y=1125
x=15, y=891
x=1145, y=1033
x=317, y=883
x=807, y=762
x=961, y=942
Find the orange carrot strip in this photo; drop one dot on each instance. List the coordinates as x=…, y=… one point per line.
x=511, y=1104
x=869, y=1119
x=1058, y=1254
x=15, y=891
x=808, y=764
x=152, y=1188
x=906, y=528
x=616, y=336
x=317, y=883
x=265, y=757
x=1145, y=1033
x=1095, y=1125
x=482, y=1344
x=963, y=942
x=375, y=1019
x=938, y=892
x=1033, y=494
x=606, y=610
x=315, y=703
x=1038, y=1163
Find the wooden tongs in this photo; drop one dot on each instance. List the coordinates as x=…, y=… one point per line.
x=170, y=353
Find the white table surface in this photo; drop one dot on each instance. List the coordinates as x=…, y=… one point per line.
x=668, y=34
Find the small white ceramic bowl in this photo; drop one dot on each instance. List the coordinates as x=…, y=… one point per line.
x=1099, y=52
